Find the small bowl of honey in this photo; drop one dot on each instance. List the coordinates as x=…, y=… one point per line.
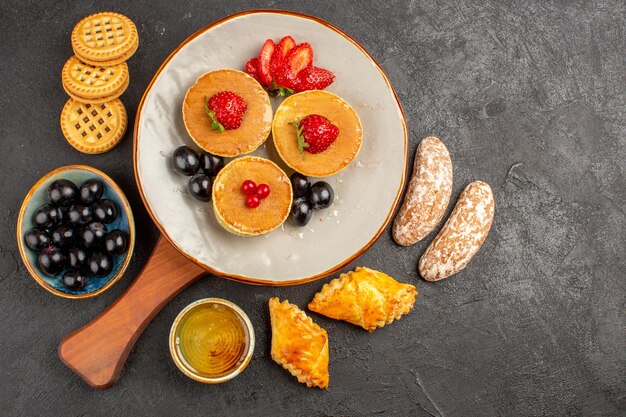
x=212, y=340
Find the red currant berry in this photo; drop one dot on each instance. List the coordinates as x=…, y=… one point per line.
x=248, y=187
x=253, y=201
x=263, y=190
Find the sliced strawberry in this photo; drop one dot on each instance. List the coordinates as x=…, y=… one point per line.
x=280, y=52
x=284, y=77
x=313, y=78
x=252, y=67
x=265, y=77
x=298, y=58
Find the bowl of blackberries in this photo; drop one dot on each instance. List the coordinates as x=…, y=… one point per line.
x=76, y=232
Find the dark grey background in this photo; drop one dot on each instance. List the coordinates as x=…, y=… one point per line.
x=528, y=96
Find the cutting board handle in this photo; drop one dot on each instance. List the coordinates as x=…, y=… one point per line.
x=98, y=350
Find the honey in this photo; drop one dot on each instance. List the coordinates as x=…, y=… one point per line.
x=212, y=340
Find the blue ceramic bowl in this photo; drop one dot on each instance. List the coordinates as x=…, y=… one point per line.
x=38, y=196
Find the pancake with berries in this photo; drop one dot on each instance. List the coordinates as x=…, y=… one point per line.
x=251, y=196
x=317, y=133
x=227, y=113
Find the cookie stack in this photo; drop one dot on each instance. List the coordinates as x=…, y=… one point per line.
x=94, y=120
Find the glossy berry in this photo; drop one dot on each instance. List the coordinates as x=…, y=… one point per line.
x=251, y=67
x=36, y=239
x=301, y=212
x=105, y=211
x=211, y=164
x=100, y=264
x=62, y=192
x=248, y=187
x=115, y=242
x=91, y=191
x=263, y=190
x=93, y=235
x=63, y=213
x=226, y=110
x=78, y=215
x=315, y=133
x=321, y=195
x=51, y=260
x=313, y=78
x=300, y=184
x=185, y=160
x=263, y=63
x=200, y=187
x=47, y=216
x=77, y=257
x=62, y=236
x=253, y=201
x=74, y=280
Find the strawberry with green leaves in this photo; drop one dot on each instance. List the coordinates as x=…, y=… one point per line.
x=226, y=110
x=315, y=133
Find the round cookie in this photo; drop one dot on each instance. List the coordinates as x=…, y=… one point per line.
x=115, y=94
x=84, y=81
x=93, y=128
x=105, y=38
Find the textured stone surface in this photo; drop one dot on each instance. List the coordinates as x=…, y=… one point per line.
x=528, y=96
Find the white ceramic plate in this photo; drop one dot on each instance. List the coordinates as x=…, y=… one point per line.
x=367, y=192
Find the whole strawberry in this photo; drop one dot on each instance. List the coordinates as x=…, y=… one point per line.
x=315, y=133
x=313, y=78
x=226, y=110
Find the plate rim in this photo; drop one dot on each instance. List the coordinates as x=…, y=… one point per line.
x=241, y=278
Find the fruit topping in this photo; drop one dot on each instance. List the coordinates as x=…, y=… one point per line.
x=280, y=52
x=91, y=191
x=74, y=279
x=200, y=187
x=321, y=195
x=226, y=110
x=263, y=190
x=315, y=133
x=36, y=239
x=100, y=264
x=62, y=236
x=263, y=67
x=252, y=68
x=116, y=242
x=77, y=257
x=185, y=160
x=47, y=216
x=313, y=78
x=62, y=192
x=297, y=59
x=211, y=164
x=301, y=212
x=93, y=235
x=285, y=68
x=51, y=260
x=300, y=184
x=105, y=211
x=249, y=187
x=253, y=201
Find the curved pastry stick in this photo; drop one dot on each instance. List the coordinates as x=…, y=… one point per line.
x=428, y=195
x=462, y=235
